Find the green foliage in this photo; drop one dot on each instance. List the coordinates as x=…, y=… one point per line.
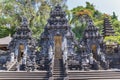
x=78, y=30
x=90, y=6
x=4, y=31
x=112, y=39
x=36, y=11
x=114, y=16
x=97, y=17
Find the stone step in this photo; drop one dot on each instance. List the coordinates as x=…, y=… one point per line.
x=93, y=75
x=58, y=66
x=58, y=78
x=73, y=75
x=58, y=75
x=42, y=75
x=62, y=70
x=95, y=72
x=58, y=70
x=55, y=73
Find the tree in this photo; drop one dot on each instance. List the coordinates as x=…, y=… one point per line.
x=90, y=6
x=114, y=16
x=36, y=11
x=112, y=39
x=97, y=16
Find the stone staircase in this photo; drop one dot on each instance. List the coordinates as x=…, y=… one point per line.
x=23, y=75
x=94, y=75
x=58, y=71
x=73, y=75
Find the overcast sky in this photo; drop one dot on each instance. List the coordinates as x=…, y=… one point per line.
x=105, y=6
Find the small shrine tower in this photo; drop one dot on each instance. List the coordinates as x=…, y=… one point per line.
x=21, y=46
x=93, y=41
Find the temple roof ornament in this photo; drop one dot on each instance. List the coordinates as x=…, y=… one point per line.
x=91, y=32
x=22, y=35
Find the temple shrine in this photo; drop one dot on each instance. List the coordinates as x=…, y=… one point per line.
x=21, y=48
x=61, y=56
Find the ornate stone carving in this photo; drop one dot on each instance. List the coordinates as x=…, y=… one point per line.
x=22, y=45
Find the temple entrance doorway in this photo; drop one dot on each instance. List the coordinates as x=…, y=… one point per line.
x=21, y=52
x=58, y=47
x=94, y=51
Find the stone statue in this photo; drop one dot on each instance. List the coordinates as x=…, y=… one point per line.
x=12, y=56
x=50, y=53
x=24, y=59
x=91, y=59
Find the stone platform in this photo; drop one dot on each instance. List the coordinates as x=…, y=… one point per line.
x=72, y=75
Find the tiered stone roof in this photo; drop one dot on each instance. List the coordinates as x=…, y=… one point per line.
x=91, y=32
x=22, y=35
x=108, y=29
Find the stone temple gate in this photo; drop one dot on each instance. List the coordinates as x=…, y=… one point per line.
x=59, y=52
x=57, y=35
